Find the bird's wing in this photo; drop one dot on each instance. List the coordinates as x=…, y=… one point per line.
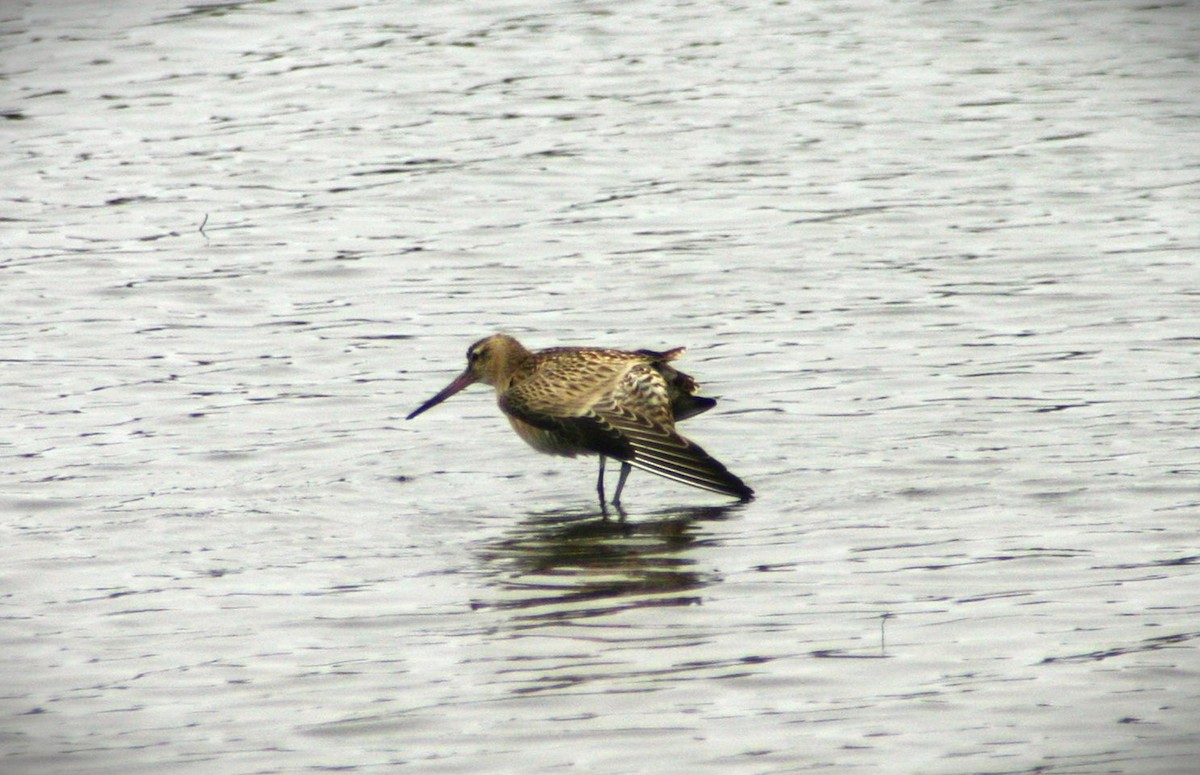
x=638, y=410
x=559, y=398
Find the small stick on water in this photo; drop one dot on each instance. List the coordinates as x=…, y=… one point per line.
x=202, y=224
x=882, y=635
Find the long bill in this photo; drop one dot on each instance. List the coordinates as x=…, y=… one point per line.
x=461, y=381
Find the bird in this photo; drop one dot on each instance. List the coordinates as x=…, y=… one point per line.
x=619, y=404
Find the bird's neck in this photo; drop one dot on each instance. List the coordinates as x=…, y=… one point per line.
x=514, y=364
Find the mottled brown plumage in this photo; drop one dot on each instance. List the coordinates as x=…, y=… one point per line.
x=586, y=400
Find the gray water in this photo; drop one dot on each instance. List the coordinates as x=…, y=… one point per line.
x=938, y=260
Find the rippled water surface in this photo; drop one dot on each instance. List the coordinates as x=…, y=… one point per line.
x=939, y=261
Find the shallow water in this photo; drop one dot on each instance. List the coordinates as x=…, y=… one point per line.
x=938, y=261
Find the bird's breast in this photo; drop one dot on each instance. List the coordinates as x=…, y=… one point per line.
x=547, y=442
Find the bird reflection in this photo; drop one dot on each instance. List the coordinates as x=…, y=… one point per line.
x=567, y=564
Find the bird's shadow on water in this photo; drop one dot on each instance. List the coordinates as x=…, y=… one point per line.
x=570, y=564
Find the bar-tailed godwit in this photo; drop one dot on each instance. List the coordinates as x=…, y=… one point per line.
x=593, y=401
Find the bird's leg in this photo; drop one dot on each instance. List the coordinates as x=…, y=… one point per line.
x=625, y=469
x=600, y=483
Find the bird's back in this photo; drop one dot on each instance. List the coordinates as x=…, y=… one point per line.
x=563, y=382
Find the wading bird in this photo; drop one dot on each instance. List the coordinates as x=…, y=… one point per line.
x=594, y=401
